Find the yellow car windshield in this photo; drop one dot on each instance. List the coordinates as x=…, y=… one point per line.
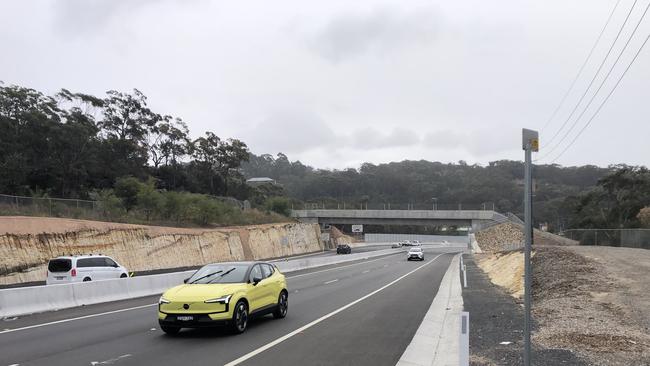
x=220, y=273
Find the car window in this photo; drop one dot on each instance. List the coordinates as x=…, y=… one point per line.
x=85, y=262
x=267, y=270
x=110, y=262
x=59, y=265
x=255, y=272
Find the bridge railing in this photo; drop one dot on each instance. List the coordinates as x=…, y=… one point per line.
x=485, y=206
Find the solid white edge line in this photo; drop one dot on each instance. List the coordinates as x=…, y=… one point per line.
x=77, y=318
x=331, y=281
x=144, y=306
x=326, y=316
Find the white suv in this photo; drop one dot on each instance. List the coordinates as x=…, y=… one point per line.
x=83, y=268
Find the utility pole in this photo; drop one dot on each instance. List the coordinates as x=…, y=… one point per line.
x=530, y=143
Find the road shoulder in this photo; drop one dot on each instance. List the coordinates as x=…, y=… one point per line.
x=436, y=342
x=496, y=326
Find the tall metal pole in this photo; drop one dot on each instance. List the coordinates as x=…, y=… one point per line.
x=527, y=275
x=530, y=143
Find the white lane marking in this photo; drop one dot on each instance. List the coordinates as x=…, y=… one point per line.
x=111, y=361
x=77, y=318
x=331, y=269
x=366, y=271
x=326, y=316
x=15, y=364
x=332, y=281
x=156, y=304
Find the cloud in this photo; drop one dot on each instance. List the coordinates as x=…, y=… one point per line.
x=478, y=142
x=371, y=138
x=82, y=17
x=350, y=35
x=291, y=131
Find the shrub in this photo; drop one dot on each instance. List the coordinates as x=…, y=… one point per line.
x=279, y=205
x=644, y=217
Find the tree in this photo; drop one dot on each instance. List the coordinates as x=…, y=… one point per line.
x=125, y=125
x=219, y=159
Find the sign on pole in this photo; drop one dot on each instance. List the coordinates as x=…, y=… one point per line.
x=357, y=228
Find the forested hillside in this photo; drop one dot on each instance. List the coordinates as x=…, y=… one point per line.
x=116, y=150
x=419, y=182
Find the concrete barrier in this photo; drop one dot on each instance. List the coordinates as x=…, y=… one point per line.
x=26, y=300
x=36, y=299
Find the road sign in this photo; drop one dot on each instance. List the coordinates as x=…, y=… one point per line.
x=357, y=228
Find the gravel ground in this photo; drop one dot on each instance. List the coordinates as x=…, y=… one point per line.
x=594, y=301
x=496, y=317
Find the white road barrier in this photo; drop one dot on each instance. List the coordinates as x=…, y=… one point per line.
x=36, y=299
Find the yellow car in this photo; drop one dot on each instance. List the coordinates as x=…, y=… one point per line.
x=224, y=294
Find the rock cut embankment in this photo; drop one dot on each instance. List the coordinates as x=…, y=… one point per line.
x=27, y=243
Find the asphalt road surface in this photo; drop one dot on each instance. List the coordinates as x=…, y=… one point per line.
x=360, y=313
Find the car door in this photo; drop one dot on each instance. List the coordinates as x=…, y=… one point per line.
x=99, y=269
x=112, y=270
x=86, y=268
x=269, y=285
x=274, y=284
x=256, y=293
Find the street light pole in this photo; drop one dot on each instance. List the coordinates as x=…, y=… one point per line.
x=530, y=143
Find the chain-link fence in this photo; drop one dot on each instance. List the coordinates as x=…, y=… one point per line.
x=45, y=206
x=632, y=238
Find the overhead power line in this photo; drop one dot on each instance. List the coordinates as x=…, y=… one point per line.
x=604, y=101
x=602, y=83
x=575, y=79
x=594, y=77
x=609, y=72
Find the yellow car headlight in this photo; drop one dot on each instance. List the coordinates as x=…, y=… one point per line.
x=162, y=300
x=219, y=300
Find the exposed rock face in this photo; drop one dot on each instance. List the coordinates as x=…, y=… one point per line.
x=25, y=249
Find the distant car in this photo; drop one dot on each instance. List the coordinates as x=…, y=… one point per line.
x=396, y=245
x=406, y=243
x=415, y=253
x=415, y=243
x=224, y=294
x=83, y=268
x=343, y=249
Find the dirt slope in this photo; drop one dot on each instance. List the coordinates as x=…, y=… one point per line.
x=594, y=301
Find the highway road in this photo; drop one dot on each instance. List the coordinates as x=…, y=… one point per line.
x=360, y=313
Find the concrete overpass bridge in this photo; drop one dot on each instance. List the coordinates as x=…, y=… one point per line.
x=467, y=218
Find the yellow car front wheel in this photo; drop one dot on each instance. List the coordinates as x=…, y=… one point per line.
x=240, y=317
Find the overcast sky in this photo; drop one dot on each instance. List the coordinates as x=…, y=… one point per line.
x=336, y=83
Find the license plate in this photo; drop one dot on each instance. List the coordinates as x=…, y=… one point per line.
x=59, y=277
x=185, y=318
